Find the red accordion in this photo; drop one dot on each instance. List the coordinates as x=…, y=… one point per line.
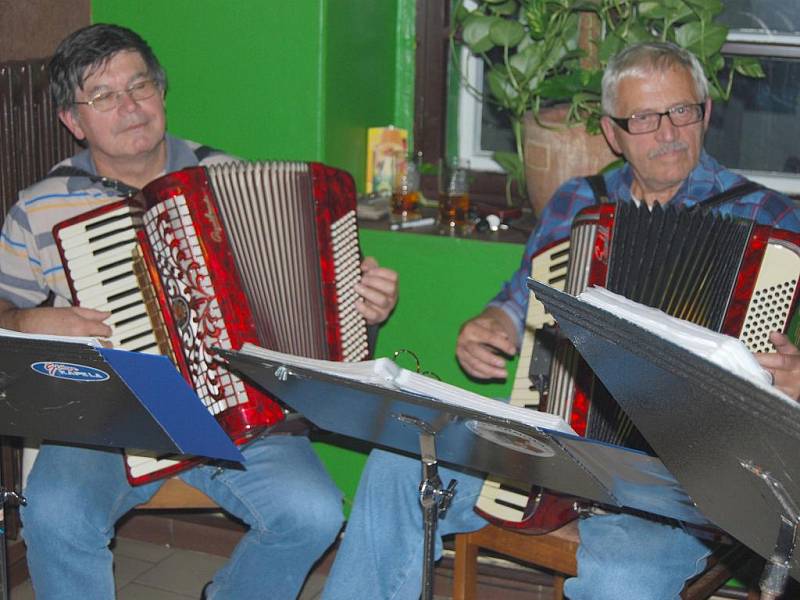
x=214, y=257
x=728, y=275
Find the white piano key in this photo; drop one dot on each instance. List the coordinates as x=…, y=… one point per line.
x=127, y=312
x=89, y=265
x=79, y=229
x=101, y=247
x=133, y=297
x=97, y=296
x=149, y=466
x=132, y=327
x=144, y=346
x=89, y=262
x=145, y=339
x=153, y=349
x=91, y=237
x=103, y=276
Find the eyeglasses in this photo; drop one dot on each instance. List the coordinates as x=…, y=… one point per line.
x=680, y=116
x=106, y=101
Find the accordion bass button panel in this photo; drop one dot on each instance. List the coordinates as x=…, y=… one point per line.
x=347, y=267
x=771, y=302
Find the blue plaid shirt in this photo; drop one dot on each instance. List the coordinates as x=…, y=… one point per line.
x=708, y=178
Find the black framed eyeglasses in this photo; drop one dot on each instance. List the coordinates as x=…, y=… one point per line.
x=139, y=91
x=680, y=116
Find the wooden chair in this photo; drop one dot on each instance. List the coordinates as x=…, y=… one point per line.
x=176, y=494
x=32, y=140
x=556, y=552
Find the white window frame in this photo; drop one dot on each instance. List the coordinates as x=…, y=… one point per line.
x=764, y=43
x=469, y=115
x=739, y=42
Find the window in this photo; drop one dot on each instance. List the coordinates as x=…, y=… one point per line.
x=482, y=128
x=433, y=103
x=755, y=133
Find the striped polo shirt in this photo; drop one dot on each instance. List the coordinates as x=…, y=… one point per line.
x=30, y=266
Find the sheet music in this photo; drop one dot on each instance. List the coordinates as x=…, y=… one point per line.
x=723, y=350
x=89, y=341
x=386, y=373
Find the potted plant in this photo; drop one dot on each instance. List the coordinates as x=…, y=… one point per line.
x=545, y=53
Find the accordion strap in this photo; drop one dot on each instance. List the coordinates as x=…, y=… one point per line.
x=734, y=193
x=115, y=184
x=598, y=185
x=201, y=153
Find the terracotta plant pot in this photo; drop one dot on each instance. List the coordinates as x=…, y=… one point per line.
x=555, y=153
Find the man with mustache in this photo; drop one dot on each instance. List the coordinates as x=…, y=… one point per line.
x=657, y=109
x=109, y=90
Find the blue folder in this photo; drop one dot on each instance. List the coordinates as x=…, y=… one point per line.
x=77, y=393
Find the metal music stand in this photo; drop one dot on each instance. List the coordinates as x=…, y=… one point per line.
x=731, y=443
x=71, y=392
x=468, y=438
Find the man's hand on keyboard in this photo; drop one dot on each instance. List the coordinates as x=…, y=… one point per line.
x=485, y=344
x=70, y=320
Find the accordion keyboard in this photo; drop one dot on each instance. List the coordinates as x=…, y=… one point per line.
x=98, y=257
x=502, y=498
x=550, y=267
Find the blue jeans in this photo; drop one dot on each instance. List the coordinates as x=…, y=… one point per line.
x=621, y=557
x=76, y=495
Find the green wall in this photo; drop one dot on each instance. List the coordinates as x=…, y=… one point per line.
x=298, y=80
x=359, y=78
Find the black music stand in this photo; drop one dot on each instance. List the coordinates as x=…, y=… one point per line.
x=63, y=391
x=477, y=440
x=731, y=443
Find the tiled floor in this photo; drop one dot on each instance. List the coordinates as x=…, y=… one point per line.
x=152, y=572
x=146, y=571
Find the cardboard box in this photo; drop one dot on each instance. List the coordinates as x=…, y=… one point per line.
x=387, y=148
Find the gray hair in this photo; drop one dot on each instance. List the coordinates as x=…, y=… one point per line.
x=640, y=60
x=85, y=51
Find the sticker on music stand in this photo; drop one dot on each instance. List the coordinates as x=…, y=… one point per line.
x=71, y=371
x=510, y=438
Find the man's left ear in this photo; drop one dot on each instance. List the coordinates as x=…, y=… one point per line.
x=610, y=133
x=70, y=120
x=707, y=117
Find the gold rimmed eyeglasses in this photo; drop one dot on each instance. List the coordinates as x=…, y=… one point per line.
x=139, y=91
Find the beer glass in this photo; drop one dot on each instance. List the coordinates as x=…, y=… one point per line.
x=453, y=193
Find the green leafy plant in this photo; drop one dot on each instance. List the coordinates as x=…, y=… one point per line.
x=534, y=56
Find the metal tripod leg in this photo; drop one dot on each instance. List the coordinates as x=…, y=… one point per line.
x=13, y=499
x=776, y=571
x=435, y=500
